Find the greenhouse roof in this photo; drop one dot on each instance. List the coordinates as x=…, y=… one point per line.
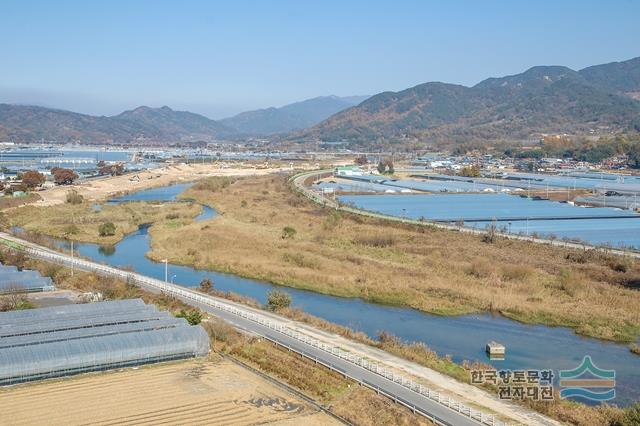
x=63, y=340
x=12, y=280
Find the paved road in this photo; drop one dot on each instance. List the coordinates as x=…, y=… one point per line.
x=252, y=321
x=417, y=402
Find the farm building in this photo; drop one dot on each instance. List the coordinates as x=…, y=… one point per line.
x=14, y=281
x=348, y=171
x=64, y=340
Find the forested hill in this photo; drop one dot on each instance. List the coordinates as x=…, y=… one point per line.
x=23, y=123
x=543, y=99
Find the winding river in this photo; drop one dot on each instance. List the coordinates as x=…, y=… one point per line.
x=463, y=337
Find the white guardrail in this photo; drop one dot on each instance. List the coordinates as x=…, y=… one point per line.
x=185, y=293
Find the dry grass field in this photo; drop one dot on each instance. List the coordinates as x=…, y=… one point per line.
x=100, y=189
x=81, y=221
x=198, y=392
x=437, y=271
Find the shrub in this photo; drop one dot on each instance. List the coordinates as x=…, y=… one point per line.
x=220, y=331
x=193, y=316
x=622, y=264
x=206, y=285
x=631, y=415
x=491, y=235
x=569, y=282
x=172, y=216
x=73, y=197
x=332, y=220
x=71, y=229
x=288, y=232
x=15, y=298
x=380, y=240
x=470, y=171
x=385, y=166
x=298, y=259
x=277, y=300
x=107, y=229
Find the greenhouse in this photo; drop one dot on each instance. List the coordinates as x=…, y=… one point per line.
x=64, y=340
x=14, y=281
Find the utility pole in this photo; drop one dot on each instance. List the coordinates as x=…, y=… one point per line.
x=165, y=269
x=73, y=221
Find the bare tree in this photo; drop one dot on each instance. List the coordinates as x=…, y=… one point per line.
x=14, y=298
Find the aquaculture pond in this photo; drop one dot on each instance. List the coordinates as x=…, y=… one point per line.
x=515, y=214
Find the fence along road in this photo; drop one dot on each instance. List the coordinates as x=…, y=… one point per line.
x=319, y=197
x=434, y=405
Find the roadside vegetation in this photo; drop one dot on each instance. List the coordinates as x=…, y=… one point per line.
x=356, y=404
x=103, y=224
x=340, y=395
x=343, y=397
x=436, y=271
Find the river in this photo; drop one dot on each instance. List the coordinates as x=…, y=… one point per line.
x=462, y=337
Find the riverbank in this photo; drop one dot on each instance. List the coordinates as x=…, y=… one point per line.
x=107, y=187
x=432, y=270
x=268, y=360
x=82, y=222
x=323, y=386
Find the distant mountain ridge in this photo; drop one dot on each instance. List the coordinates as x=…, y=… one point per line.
x=543, y=99
x=24, y=123
x=295, y=116
x=619, y=77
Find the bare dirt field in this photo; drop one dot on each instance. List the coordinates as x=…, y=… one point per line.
x=103, y=188
x=193, y=392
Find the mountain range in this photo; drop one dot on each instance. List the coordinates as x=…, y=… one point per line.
x=543, y=99
x=24, y=123
x=295, y=116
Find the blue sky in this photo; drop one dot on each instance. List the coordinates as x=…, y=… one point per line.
x=219, y=58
